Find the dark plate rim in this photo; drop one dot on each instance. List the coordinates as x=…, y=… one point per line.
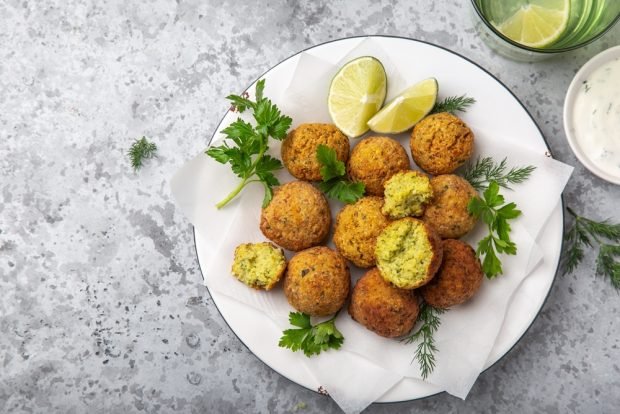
x=509, y=91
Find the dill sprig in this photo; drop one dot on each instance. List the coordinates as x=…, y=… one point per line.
x=485, y=170
x=584, y=233
x=141, y=150
x=453, y=104
x=426, y=349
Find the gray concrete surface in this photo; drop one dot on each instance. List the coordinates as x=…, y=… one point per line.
x=102, y=308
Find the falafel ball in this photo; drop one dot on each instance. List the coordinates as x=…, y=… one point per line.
x=259, y=265
x=317, y=281
x=406, y=194
x=458, y=279
x=440, y=143
x=297, y=217
x=408, y=253
x=381, y=307
x=374, y=160
x=299, y=149
x=447, y=213
x=356, y=230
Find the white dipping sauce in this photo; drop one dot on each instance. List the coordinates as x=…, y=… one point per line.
x=596, y=117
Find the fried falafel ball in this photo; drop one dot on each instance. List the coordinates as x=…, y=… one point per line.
x=440, y=143
x=381, y=307
x=447, y=213
x=299, y=149
x=317, y=281
x=458, y=279
x=408, y=253
x=297, y=217
x=374, y=160
x=259, y=265
x=406, y=194
x=356, y=230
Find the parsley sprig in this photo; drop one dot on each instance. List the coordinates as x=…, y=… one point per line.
x=247, y=157
x=335, y=183
x=584, y=233
x=311, y=339
x=140, y=150
x=425, y=352
x=484, y=170
x=453, y=104
x=495, y=214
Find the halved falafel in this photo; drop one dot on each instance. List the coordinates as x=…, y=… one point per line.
x=447, y=213
x=381, y=307
x=406, y=194
x=458, y=279
x=440, y=143
x=259, y=265
x=356, y=230
x=374, y=160
x=317, y=281
x=408, y=253
x=299, y=149
x=297, y=217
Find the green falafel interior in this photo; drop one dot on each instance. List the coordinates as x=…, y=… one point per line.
x=406, y=194
x=405, y=253
x=259, y=265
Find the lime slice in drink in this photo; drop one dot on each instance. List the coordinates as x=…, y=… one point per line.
x=407, y=109
x=356, y=94
x=538, y=24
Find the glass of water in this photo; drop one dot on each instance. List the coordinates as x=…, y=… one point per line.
x=536, y=29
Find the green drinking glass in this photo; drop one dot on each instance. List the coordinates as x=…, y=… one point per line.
x=537, y=29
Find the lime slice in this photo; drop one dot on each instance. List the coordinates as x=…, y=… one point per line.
x=537, y=24
x=407, y=109
x=356, y=94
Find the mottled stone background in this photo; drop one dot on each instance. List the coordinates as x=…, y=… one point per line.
x=102, y=307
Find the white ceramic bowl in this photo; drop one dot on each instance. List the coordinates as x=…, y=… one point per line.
x=569, y=103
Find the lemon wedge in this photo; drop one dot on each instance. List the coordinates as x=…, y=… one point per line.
x=538, y=24
x=356, y=93
x=407, y=109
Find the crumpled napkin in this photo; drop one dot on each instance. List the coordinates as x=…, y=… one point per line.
x=368, y=365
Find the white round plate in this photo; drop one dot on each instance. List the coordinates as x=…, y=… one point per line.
x=569, y=103
x=454, y=72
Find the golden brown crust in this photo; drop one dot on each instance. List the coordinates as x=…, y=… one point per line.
x=447, y=213
x=297, y=217
x=356, y=230
x=441, y=143
x=458, y=279
x=299, y=149
x=374, y=160
x=317, y=281
x=383, y=308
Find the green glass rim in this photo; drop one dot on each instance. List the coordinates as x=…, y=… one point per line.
x=549, y=50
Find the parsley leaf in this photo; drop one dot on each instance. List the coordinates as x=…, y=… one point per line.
x=311, y=339
x=335, y=184
x=495, y=214
x=248, y=158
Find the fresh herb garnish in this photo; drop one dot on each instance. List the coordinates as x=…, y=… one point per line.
x=141, y=150
x=453, y=104
x=582, y=234
x=311, y=339
x=485, y=170
x=335, y=183
x=248, y=158
x=495, y=214
x=425, y=352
